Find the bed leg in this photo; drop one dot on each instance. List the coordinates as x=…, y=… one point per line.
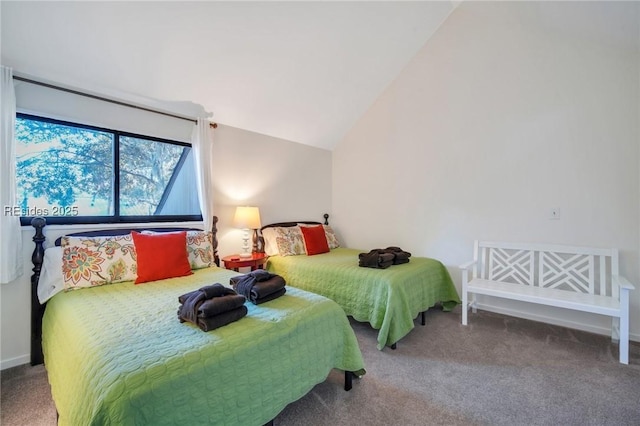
x=269, y=423
x=348, y=380
x=423, y=317
x=394, y=346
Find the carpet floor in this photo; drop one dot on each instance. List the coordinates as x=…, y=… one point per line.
x=499, y=370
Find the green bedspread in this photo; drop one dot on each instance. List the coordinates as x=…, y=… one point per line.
x=118, y=355
x=389, y=299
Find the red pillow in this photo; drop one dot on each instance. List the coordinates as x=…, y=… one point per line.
x=161, y=256
x=315, y=240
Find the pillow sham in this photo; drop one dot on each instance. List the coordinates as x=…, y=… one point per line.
x=270, y=244
x=94, y=261
x=200, y=249
x=283, y=241
x=315, y=240
x=161, y=255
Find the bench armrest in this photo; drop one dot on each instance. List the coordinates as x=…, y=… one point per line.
x=622, y=282
x=467, y=265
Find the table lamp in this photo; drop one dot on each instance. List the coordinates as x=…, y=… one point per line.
x=247, y=218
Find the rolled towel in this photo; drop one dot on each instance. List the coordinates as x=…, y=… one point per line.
x=243, y=284
x=214, y=290
x=269, y=297
x=218, y=305
x=401, y=256
x=188, y=311
x=266, y=281
x=217, y=321
x=385, y=258
x=261, y=275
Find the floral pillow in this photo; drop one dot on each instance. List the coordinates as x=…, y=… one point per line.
x=283, y=241
x=331, y=237
x=94, y=261
x=200, y=249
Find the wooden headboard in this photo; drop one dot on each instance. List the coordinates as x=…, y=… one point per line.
x=37, y=309
x=288, y=224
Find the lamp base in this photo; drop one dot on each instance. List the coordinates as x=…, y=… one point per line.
x=245, y=255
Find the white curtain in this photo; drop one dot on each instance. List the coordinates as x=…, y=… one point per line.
x=202, y=145
x=10, y=235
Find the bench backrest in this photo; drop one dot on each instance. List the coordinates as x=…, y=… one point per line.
x=580, y=269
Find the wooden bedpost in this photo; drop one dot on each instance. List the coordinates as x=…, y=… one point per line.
x=214, y=230
x=37, y=310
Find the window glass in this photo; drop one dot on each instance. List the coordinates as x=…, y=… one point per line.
x=63, y=170
x=79, y=174
x=149, y=172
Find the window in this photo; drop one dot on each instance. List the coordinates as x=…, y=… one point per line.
x=72, y=173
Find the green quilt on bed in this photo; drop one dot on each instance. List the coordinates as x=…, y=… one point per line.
x=389, y=299
x=118, y=355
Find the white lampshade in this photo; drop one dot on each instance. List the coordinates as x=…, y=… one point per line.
x=247, y=218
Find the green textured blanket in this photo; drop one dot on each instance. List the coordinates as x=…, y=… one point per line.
x=389, y=299
x=117, y=354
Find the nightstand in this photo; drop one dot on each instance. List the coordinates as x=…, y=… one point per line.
x=234, y=261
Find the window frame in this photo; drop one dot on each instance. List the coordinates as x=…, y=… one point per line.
x=116, y=217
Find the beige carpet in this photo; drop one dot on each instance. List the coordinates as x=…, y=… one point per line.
x=497, y=371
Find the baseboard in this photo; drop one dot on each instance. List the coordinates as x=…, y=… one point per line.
x=14, y=362
x=552, y=320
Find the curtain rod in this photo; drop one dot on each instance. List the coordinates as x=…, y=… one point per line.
x=100, y=98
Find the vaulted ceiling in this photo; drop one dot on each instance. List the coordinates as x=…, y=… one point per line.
x=302, y=71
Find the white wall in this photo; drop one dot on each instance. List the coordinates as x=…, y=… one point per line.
x=286, y=180
x=283, y=178
x=510, y=110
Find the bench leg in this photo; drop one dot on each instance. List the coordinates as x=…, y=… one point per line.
x=465, y=307
x=624, y=326
x=624, y=344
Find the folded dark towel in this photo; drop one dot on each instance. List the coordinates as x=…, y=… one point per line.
x=257, y=284
x=269, y=297
x=214, y=290
x=265, y=288
x=217, y=321
x=385, y=265
x=401, y=256
x=376, y=258
x=369, y=260
x=218, y=305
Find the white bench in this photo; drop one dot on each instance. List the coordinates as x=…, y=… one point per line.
x=577, y=278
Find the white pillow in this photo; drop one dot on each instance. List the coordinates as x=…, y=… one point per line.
x=270, y=245
x=51, y=281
